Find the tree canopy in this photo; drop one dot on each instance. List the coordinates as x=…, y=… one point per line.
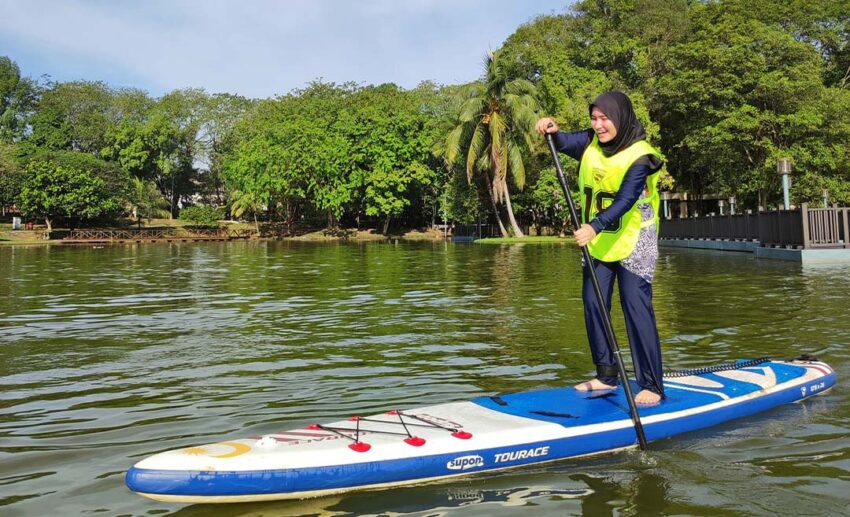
x=724, y=88
x=52, y=190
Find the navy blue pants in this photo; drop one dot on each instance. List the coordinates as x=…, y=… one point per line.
x=636, y=300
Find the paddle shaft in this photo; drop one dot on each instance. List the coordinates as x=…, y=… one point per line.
x=603, y=308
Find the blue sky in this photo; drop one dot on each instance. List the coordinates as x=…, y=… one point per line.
x=259, y=48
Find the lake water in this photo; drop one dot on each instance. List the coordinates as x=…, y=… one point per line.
x=109, y=354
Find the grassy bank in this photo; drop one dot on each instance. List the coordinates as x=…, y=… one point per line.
x=23, y=242
x=324, y=235
x=525, y=240
x=367, y=235
x=9, y=237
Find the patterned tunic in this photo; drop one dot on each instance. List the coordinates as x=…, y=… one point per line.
x=642, y=260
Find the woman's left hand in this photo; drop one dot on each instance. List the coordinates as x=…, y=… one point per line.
x=584, y=234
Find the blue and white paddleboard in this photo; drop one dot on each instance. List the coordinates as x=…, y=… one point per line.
x=488, y=433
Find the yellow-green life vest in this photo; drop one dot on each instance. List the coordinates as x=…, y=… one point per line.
x=599, y=179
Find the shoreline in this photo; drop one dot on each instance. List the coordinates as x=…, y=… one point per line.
x=33, y=238
x=346, y=235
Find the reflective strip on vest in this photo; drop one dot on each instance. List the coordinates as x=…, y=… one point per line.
x=599, y=179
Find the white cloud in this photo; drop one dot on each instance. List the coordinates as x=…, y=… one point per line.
x=259, y=47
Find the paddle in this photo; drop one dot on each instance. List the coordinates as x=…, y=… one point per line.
x=606, y=317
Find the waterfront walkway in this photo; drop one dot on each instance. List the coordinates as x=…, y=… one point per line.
x=808, y=235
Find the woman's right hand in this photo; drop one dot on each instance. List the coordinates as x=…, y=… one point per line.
x=584, y=234
x=546, y=125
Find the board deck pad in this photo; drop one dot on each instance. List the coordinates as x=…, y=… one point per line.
x=410, y=446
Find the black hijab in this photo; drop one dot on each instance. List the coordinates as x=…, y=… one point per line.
x=618, y=108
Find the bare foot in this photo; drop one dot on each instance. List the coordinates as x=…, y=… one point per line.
x=647, y=398
x=593, y=385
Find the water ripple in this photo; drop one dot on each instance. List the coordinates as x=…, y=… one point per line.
x=110, y=355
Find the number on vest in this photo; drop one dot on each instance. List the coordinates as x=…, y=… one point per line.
x=600, y=197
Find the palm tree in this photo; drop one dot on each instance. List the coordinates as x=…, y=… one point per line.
x=246, y=202
x=144, y=199
x=495, y=127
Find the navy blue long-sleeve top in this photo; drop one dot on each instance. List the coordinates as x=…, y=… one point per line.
x=574, y=144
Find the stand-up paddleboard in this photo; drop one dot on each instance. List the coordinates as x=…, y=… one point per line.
x=411, y=446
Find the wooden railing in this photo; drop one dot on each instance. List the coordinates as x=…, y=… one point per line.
x=826, y=227
x=733, y=227
x=804, y=227
x=149, y=234
x=781, y=228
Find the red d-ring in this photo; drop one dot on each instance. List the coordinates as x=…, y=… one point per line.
x=463, y=435
x=360, y=447
x=313, y=427
x=415, y=441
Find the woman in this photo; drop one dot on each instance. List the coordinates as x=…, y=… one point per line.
x=618, y=180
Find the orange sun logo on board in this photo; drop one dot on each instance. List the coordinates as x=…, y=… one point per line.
x=238, y=450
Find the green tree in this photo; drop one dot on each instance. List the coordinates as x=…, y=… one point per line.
x=115, y=179
x=461, y=201
x=741, y=94
x=436, y=105
x=73, y=116
x=256, y=164
x=724, y=87
x=145, y=148
x=246, y=202
x=623, y=41
x=52, y=191
x=222, y=112
x=547, y=203
x=11, y=176
x=494, y=130
x=822, y=24
x=186, y=111
x=391, y=150
x=159, y=143
x=18, y=96
x=293, y=150
x=320, y=151
x=144, y=200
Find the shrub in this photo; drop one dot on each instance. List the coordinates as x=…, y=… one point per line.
x=202, y=215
